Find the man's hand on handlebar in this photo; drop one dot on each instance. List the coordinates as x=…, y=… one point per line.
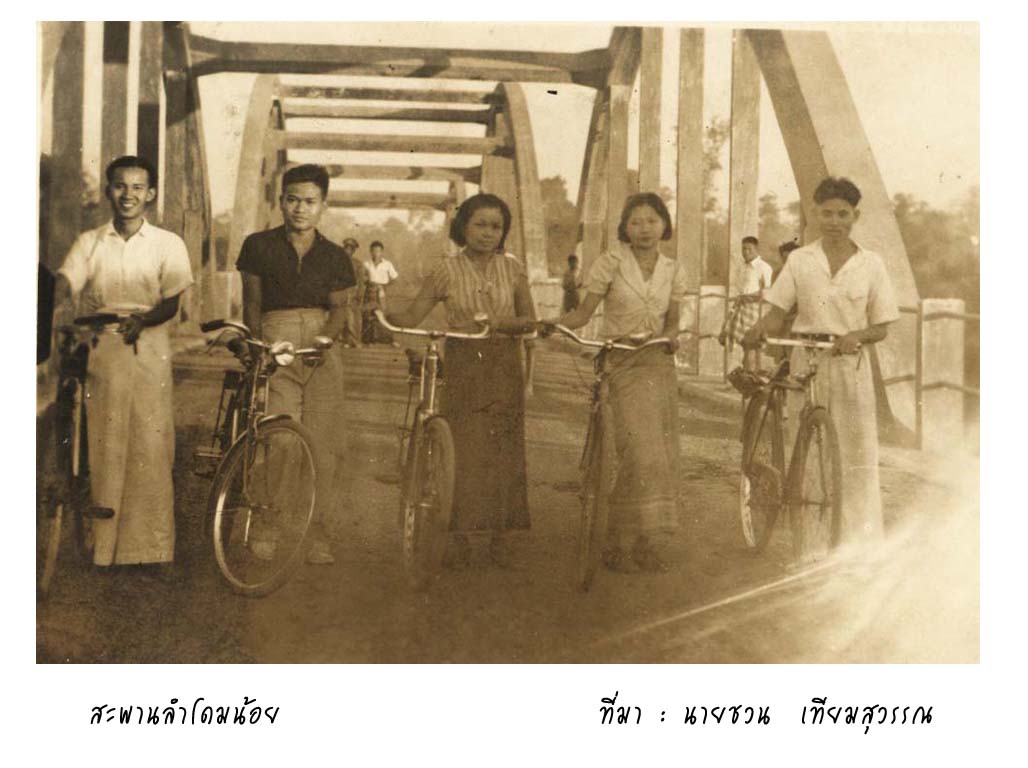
x=546, y=328
x=238, y=347
x=130, y=327
x=848, y=344
x=753, y=338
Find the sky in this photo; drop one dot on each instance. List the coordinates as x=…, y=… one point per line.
x=915, y=86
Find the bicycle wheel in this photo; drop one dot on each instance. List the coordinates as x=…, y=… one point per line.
x=48, y=535
x=815, y=493
x=763, y=469
x=592, y=528
x=262, y=507
x=427, y=500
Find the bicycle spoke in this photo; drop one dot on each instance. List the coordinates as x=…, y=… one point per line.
x=265, y=509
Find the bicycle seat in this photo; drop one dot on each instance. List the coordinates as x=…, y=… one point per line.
x=747, y=383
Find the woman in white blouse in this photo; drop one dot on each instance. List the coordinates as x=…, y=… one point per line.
x=842, y=293
x=641, y=290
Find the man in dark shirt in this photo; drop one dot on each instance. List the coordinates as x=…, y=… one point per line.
x=295, y=285
x=352, y=329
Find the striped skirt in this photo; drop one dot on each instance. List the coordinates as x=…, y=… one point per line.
x=643, y=411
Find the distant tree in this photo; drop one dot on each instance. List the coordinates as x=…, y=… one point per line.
x=414, y=250
x=943, y=249
x=774, y=226
x=714, y=140
x=942, y=246
x=561, y=218
x=716, y=257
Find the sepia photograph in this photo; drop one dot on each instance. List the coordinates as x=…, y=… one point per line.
x=508, y=343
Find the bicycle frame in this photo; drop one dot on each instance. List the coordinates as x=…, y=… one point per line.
x=776, y=385
x=803, y=382
x=73, y=494
x=429, y=374
x=249, y=402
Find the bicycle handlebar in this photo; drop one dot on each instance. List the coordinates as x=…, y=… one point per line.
x=805, y=343
x=432, y=334
x=217, y=325
x=611, y=343
x=99, y=319
x=321, y=344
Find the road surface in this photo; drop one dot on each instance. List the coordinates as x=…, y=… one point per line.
x=716, y=603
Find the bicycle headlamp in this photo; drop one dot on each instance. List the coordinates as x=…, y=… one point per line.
x=283, y=352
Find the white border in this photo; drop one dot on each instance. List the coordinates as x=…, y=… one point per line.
x=506, y=715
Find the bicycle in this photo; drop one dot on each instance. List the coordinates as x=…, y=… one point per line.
x=261, y=505
x=811, y=490
x=597, y=460
x=71, y=452
x=426, y=457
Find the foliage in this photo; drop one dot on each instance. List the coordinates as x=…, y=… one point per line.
x=942, y=246
x=561, y=217
x=943, y=249
x=413, y=246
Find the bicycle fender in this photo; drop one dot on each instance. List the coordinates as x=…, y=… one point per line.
x=272, y=418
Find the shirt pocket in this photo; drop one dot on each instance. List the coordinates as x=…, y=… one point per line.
x=856, y=295
x=852, y=301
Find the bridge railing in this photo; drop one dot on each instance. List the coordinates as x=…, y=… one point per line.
x=940, y=417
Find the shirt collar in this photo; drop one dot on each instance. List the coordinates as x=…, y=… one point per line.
x=822, y=258
x=284, y=236
x=143, y=231
x=633, y=275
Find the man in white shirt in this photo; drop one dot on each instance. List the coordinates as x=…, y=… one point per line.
x=381, y=273
x=137, y=270
x=755, y=276
x=754, y=279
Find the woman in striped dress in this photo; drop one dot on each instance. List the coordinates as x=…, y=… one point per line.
x=483, y=400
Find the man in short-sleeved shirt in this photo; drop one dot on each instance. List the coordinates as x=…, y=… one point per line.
x=355, y=301
x=755, y=275
x=858, y=295
x=295, y=283
x=381, y=273
x=133, y=268
x=841, y=293
x=754, y=278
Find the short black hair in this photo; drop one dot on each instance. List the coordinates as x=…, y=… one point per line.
x=133, y=161
x=572, y=257
x=299, y=174
x=377, y=244
x=750, y=239
x=786, y=248
x=837, y=188
x=351, y=241
x=467, y=210
x=638, y=201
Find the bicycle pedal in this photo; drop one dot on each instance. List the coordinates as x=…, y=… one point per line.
x=207, y=453
x=98, y=513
